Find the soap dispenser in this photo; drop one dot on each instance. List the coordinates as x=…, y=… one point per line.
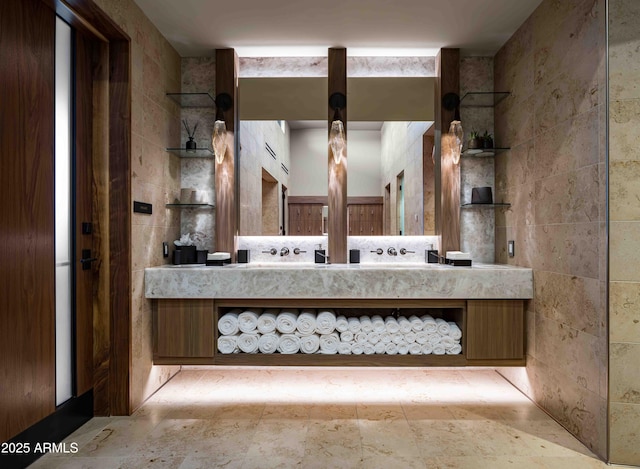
x=320, y=256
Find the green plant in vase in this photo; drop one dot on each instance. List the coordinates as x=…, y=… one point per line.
x=487, y=140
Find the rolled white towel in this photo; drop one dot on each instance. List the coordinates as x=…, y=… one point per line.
x=416, y=323
x=346, y=336
x=415, y=349
x=326, y=322
x=366, y=324
x=369, y=349
x=344, y=348
x=397, y=337
x=267, y=321
x=289, y=344
x=309, y=343
x=443, y=326
x=378, y=324
x=329, y=343
x=434, y=339
x=403, y=348
x=268, y=343
x=447, y=342
x=422, y=337
x=306, y=323
x=228, y=344
x=228, y=323
x=248, y=321
x=380, y=347
x=438, y=350
x=354, y=325
x=429, y=324
x=385, y=338
x=361, y=337
x=248, y=343
x=455, y=333
x=405, y=325
x=410, y=337
x=342, y=324
x=427, y=349
x=373, y=338
x=455, y=350
x=391, y=349
x=357, y=349
x=286, y=321
x=391, y=325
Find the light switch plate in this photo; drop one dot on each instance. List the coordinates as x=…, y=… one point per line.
x=511, y=248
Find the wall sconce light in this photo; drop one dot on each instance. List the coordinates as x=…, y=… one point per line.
x=451, y=102
x=219, y=138
x=337, y=140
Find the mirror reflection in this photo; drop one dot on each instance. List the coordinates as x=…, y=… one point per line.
x=283, y=178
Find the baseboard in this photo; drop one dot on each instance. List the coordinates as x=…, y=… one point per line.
x=35, y=440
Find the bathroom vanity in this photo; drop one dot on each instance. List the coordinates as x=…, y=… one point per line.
x=485, y=301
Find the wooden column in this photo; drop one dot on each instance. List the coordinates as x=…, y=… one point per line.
x=337, y=172
x=447, y=173
x=226, y=227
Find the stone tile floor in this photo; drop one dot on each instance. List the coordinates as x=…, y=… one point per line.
x=324, y=418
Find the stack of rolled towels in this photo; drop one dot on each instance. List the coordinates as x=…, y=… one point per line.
x=290, y=331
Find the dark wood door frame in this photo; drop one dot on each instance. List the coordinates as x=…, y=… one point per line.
x=112, y=202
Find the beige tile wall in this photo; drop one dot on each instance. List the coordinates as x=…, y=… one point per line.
x=624, y=213
x=155, y=176
x=554, y=177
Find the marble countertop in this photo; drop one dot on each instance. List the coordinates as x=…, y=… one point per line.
x=308, y=280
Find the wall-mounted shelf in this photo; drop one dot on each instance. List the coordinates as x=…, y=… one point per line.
x=482, y=153
x=198, y=153
x=486, y=205
x=207, y=206
x=193, y=99
x=483, y=98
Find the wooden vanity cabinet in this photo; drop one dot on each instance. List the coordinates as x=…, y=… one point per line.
x=183, y=329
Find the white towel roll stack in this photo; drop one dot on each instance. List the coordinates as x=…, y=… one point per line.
x=326, y=322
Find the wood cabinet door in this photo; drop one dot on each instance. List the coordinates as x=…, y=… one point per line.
x=495, y=329
x=185, y=328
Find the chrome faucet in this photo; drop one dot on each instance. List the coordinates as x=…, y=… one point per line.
x=392, y=252
x=297, y=251
x=404, y=251
x=272, y=251
x=378, y=251
x=284, y=252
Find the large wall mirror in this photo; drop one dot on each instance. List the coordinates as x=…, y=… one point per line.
x=283, y=156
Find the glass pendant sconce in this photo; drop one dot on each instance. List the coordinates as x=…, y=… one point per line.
x=337, y=140
x=451, y=102
x=219, y=138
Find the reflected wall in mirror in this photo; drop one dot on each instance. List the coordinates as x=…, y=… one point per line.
x=283, y=163
x=283, y=178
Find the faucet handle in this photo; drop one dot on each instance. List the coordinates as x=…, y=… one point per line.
x=404, y=251
x=297, y=251
x=272, y=251
x=378, y=251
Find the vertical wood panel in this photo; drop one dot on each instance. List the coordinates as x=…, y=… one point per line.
x=226, y=227
x=185, y=328
x=83, y=198
x=495, y=329
x=101, y=301
x=337, y=172
x=448, y=216
x=120, y=225
x=27, y=275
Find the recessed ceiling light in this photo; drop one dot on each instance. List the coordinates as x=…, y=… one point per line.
x=321, y=51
